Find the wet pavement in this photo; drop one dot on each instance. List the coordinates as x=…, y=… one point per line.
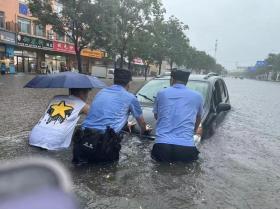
x=239, y=166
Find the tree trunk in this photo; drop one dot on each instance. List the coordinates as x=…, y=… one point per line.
x=121, y=60
x=129, y=64
x=159, y=70
x=79, y=60
x=146, y=71
x=171, y=65
x=78, y=57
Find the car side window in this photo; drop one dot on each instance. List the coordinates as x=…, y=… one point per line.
x=217, y=94
x=222, y=91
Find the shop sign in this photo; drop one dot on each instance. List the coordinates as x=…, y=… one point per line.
x=33, y=42
x=23, y=9
x=63, y=47
x=138, y=61
x=92, y=53
x=7, y=37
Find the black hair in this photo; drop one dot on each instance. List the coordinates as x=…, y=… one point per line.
x=76, y=91
x=121, y=82
x=180, y=82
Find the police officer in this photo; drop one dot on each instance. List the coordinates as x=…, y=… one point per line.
x=99, y=139
x=178, y=112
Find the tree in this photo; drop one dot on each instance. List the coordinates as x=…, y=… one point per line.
x=148, y=42
x=143, y=47
x=177, y=42
x=124, y=19
x=159, y=47
x=77, y=20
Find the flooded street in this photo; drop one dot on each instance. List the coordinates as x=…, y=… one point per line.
x=239, y=166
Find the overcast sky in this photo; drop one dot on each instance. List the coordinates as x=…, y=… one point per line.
x=246, y=30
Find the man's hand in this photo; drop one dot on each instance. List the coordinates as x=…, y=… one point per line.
x=130, y=125
x=199, y=131
x=148, y=129
x=145, y=128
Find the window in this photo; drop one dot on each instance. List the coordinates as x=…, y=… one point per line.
x=2, y=20
x=58, y=7
x=59, y=37
x=24, y=25
x=39, y=30
x=69, y=40
x=223, y=91
x=217, y=94
x=149, y=91
x=50, y=35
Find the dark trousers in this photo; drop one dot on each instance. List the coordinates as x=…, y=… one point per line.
x=91, y=146
x=174, y=153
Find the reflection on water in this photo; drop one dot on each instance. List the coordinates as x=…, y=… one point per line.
x=238, y=167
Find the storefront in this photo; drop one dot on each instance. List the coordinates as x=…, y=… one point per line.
x=37, y=55
x=30, y=54
x=138, y=67
x=64, y=57
x=26, y=61
x=7, y=44
x=91, y=58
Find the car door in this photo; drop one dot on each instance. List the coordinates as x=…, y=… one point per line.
x=221, y=97
x=214, y=117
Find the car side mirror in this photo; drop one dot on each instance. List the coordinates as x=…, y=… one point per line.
x=222, y=107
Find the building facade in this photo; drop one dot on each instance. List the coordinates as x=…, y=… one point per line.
x=28, y=47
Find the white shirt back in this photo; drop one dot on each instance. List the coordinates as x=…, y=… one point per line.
x=55, y=129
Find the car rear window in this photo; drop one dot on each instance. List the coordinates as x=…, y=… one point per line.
x=148, y=92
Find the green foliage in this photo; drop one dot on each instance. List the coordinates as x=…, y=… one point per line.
x=124, y=28
x=176, y=41
x=273, y=61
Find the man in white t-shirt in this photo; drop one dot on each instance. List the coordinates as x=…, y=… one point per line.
x=55, y=129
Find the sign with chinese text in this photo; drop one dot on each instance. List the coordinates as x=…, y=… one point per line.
x=63, y=47
x=138, y=61
x=92, y=53
x=7, y=37
x=34, y=42
x=23, y=9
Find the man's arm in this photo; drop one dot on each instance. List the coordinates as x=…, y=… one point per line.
x=198, y=128
x=155, y=107
x=142, y=124
x=85, y=109
x=137, y=113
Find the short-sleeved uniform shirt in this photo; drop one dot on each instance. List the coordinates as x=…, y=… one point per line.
x=55, y=129
x=177, y=108
x=111, y=107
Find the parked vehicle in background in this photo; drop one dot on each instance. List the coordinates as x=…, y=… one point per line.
x=212, y=88
x=110, y=73
x=99, y=72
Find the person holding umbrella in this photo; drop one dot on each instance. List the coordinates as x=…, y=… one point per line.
x=55, y=129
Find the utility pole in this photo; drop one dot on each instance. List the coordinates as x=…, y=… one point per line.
x=216, y=49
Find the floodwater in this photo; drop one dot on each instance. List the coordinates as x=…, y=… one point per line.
x=239, y=166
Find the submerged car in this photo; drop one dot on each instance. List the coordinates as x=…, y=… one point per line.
x=212, y=88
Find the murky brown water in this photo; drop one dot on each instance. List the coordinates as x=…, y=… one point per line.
x=239, y=166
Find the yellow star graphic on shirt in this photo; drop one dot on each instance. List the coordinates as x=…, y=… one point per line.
x=59, y=112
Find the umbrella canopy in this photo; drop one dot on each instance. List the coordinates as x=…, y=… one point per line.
x=65, y=80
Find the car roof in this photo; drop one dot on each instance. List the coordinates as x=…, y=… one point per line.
x=211, y=77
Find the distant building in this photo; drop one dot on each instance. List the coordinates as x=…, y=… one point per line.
x=32, y=48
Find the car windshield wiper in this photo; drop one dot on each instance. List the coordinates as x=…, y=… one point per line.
x=147, y=98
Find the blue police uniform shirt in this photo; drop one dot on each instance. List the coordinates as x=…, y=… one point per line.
x=177, y=108
x=111, y=107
